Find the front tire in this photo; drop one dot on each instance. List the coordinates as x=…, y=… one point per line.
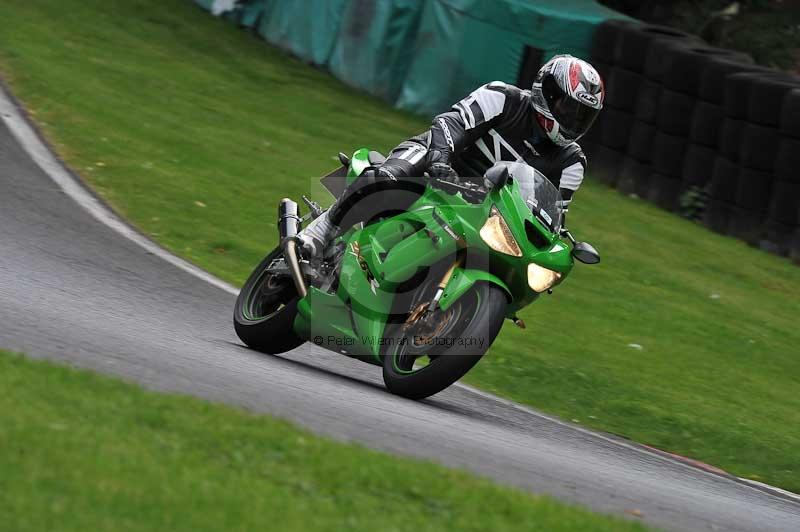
x=266, y=308
x=453, y=340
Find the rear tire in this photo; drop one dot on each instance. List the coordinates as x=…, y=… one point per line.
x=265, y=310
x=477, y=316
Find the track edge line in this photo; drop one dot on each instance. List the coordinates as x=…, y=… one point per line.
x=30, y=138
x=638, y=447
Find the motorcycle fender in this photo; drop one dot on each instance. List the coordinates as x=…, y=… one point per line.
x=463, y=279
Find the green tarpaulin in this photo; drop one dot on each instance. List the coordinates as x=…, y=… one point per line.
x=306, y=28
x=421, y=55
x=462, y=44
x=372, y=51
x=249, y=14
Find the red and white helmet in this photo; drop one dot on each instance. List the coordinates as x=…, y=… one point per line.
x=567, y=95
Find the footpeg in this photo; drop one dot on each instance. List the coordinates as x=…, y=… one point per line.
x=314, y=208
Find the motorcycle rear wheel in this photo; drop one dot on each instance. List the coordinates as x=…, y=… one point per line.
x=454, y=341
x=265, y=310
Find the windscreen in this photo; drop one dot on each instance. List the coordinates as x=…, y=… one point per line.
x=542, y=197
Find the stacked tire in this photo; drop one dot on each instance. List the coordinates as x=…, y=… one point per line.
x=669, y=108
x=630, y=135
x=712, y=158
x=606, y=158
x=753, y=101
x=782, y=228
x=699, y=130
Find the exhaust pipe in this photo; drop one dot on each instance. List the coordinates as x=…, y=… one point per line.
x=289, y=226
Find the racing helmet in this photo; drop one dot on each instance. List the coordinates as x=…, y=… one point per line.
x=567, y=95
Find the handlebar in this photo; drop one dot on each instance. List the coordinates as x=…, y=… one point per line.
x=470, y=190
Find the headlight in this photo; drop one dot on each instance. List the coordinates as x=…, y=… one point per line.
x=497, y=235
x=540, y=279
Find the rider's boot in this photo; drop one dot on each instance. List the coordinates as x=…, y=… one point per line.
x=315, y=237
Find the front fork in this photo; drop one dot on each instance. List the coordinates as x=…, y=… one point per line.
x=443, y=283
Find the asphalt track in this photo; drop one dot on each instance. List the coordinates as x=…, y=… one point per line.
x=75, y=290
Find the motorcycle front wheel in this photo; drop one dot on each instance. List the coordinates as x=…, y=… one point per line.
x=431, y=351
x=266, y=308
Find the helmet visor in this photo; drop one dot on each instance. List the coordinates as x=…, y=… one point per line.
x=574, y=118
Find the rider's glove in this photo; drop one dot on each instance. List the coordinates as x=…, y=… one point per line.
x=443, y=172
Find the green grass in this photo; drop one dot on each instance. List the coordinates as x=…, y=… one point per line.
x=86, y=452
x=194, y=130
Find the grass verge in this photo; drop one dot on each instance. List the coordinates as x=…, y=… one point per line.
x=680, y=339
x=87, y=452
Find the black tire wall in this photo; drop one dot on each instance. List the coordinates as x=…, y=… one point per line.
x=683, y=120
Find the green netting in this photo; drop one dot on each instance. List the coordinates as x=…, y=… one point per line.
x=307, y=28
x=372, y=51
x=462, y=44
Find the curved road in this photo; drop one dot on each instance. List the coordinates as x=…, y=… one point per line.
x=73, y=289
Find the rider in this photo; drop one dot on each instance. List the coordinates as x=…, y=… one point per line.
x=497, y=122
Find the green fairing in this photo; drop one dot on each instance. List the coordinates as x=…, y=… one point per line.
x=463, y=280
x=438, y=227
x=358, y=163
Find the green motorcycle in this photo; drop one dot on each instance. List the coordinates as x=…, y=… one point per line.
x=424, y=292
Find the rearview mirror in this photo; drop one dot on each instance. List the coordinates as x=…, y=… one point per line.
x=497, y=176
x=585, y=253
